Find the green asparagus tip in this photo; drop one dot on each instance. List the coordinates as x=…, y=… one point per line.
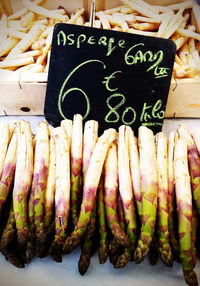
x=123, y=259
x=190, y=277
x=55, y=250
x=103, y=253
x=14, y=260
x=83, y=264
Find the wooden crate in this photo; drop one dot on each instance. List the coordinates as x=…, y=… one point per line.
x=21, y=96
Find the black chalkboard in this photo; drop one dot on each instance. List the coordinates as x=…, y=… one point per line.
x=113, y=77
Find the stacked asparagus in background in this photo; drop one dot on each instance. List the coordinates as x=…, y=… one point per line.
x=122, y=196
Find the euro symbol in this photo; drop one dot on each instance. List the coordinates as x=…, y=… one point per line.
x=107, y=80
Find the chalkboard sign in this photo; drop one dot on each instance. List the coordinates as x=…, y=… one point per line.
x=113, y=77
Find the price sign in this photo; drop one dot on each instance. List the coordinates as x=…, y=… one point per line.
x=113, y=77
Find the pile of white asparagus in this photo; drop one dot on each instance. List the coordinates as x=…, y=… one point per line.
x=122, y=195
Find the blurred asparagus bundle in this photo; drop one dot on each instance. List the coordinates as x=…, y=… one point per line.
x=125, y=197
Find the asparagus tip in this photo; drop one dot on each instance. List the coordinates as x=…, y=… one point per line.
x=55, y=250
x=14, y=260
x=103, y=253
x=190, y=277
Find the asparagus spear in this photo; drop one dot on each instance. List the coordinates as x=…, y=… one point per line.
x=90, y=188
x=103, y=236
x=86, y=253
x=76, y=163
x=8, y=247
x=23, y=178
x=148, y=173
x=193, y=235
x=67, y=126
x=135, y=168
x=4, y=140
x=122, y=256
x=31, y=242
x=8, y=233
x=124, y=149
x=171, y=197
x=30, y=249
x=115, y=248
x=12, y=126
x=163, y=216
x=128, y=146
x=51, y=182
x=184, y=209
x=87, y=246
x=194, y=164
x=89, y=141
x=49, y=198
x=41, y=166
x=196, y=137
x=62, y=194
x=125, y=185
x=8, y=172
x=110, y=199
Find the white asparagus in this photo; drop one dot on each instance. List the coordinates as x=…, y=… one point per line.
x=184, y=207
x=196, y=136
x=15, y=34
x=27, y=41
x=104, y=21
x=23, y=11
x=51, y=181
x=135, y=168
x=41, y=167
x=125, y=183
x=148, y=173
x=27, y=54
x=143, y=10
x=27, y=19
x=73, y=19
x=62, y=194
x=43, y=11
x=76, y=165
x=167, y=17
x=3, y=28
x=47, y=47
x=8, y=172
x=117, y=21
x=196, y=13
x=7, y=45
x=4, y=140
x=90, y=138
x=23, y=179
x=66, y=124
x=174, y=24
x=163, y=214
x=188, y=33
x=7, y=63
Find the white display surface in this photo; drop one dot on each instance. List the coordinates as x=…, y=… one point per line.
x=49, y=273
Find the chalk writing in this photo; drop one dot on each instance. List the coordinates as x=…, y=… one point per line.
x=150, y=112
x=63, y=94
x=112, y=44
x=108, y=79
x=113, y=77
